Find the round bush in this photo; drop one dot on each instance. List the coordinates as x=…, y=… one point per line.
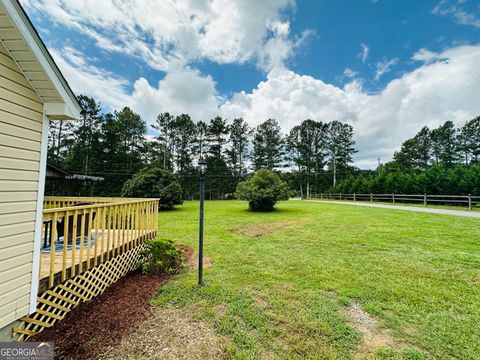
x=161, y=256
x=263, y=190
x=155, y=183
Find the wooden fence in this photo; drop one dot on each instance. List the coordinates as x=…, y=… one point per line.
x=423, y=199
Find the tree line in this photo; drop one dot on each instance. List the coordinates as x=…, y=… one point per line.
x=312, y=157
x=116, y=145
x=440, y=161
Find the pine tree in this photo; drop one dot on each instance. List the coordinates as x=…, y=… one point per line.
x=217, y=132
x=131, y=131
x=238, y=150
x=307, y=146
x=268, y=146
x=201, y=139
x=84, y=149
x=183, y=138
x=444, y=144
x=163, y=124
x=470, y=140
x=219, y=179
x=340, y=147
x=60, y=139
x=415, y=153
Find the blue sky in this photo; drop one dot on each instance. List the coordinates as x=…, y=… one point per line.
x=388, y=67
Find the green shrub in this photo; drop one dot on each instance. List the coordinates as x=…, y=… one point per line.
x=263, y=190
x=155, y=183
x=161, y=256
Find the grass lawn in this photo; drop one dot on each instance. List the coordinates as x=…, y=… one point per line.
x=285, y=284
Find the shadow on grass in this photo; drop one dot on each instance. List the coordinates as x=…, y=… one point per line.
x=276, y=210
x=176, y=208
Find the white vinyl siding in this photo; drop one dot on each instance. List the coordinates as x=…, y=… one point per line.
x=21, y=114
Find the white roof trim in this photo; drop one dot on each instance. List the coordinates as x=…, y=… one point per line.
x=31, y=37
x=58, y=111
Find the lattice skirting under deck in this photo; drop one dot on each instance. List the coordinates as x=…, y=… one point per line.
x=56, y=303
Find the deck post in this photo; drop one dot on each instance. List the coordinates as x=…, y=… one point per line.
x=74, y=242
x=53, y=245
x=65, y=245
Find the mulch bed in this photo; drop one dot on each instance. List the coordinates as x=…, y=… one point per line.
x=96, y=326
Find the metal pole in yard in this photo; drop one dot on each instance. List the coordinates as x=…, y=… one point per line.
x=202, y=166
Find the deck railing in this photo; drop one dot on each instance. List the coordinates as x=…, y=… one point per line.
x=423, y=199
x=67, y=201
x=80, y=233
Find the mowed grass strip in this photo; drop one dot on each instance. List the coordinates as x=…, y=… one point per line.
x=288, y=290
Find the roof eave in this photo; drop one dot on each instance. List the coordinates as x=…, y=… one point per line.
x=40, y=51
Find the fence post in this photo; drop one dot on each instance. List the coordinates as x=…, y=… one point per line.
x=469, y=201
x=354, y=197
x=321, y=196
x=340, y=196
x=424, y=199
x=371, y=197
x=393, y=198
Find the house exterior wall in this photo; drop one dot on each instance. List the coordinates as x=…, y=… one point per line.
x=21, y=124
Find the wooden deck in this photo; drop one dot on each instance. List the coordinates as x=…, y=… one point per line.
x=76, y=264
x=121, y=225
x=108, y=245
x=104, y=247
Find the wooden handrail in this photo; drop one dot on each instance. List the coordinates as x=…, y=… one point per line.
x=121, y=201
x=56, y=202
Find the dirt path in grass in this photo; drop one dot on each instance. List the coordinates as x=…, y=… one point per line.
x=373, y=337
x=169, y=334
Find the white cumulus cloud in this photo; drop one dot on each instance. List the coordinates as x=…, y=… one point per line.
x=183, y=91
x=446, y=89
x=168, y=35
x=445, y=86
x=88, y=79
